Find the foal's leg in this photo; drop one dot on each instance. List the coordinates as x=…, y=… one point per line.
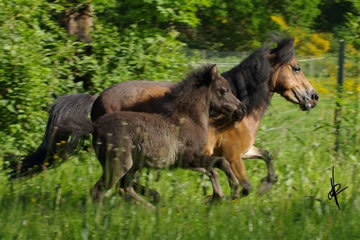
x=115, y=165
x=210, y=162
x=223, y=164
x=145, y=191
x=266, y=182
x=129, y=190
x=214, y=178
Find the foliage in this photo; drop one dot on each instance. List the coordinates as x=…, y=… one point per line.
x=307, y=44
x=34, y=56
x=333, y=16
x=136, y=54
x=150, y=13
x=38, y=61
x=243, y=24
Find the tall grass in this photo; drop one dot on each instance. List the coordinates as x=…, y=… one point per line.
x=56, y=204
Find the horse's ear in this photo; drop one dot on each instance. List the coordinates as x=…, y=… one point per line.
x=213, y=72
x=284, y=50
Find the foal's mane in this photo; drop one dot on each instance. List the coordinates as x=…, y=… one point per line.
x=250, y=79
x=182, y=94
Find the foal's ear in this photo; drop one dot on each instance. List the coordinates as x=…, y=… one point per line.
x=213, y=72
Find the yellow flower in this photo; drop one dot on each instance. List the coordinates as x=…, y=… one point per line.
x=280, y=20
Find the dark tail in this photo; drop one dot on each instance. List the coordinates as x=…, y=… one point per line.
x=57, y=143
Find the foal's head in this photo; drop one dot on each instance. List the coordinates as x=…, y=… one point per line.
x=205, y=84
x=288, y=79
x=222, y=100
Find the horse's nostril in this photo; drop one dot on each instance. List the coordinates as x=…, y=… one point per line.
x=315, y=96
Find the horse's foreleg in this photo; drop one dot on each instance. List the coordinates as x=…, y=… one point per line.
x=266, y=182
x=235, y=142
x=233, y=155
x=238, y=167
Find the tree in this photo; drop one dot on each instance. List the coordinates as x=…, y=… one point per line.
x=245, y=24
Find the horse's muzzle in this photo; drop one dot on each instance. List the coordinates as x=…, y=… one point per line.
x=239, y=113
x=309, y=101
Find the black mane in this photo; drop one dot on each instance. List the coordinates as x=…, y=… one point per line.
x=181, y=92
x=198, y=77
x=250, y=80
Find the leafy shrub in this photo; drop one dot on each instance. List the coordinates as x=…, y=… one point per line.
x=39, y=61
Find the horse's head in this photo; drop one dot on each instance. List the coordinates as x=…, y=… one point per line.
x=288, y=80
x=222, y=100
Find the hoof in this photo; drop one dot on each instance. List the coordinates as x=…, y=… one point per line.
x=246, y=190
x=270, y=179
x=266, y=184
x=215, y=198
x=154, y=197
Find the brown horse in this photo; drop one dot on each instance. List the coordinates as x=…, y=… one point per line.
x=127, y=141
x=253, y=82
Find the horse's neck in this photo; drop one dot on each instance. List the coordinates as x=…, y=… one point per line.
x=254, y=118
x=258, y=108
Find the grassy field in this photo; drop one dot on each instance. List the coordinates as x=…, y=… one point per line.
x=56, y=204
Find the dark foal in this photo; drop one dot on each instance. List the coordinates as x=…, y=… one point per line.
x=175, y=137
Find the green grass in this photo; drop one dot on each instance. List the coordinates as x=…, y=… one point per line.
x=56, y=204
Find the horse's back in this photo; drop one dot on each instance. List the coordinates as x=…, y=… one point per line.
x=129, y=95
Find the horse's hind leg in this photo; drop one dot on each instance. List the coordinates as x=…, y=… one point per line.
x=153, y=195
x=266, y=182
x=129, y=190
x=115, y=166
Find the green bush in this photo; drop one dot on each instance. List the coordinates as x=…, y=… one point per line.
x=39, y=62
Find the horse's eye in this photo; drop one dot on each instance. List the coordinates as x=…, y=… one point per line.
x=296, y=68
x=223, y=91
